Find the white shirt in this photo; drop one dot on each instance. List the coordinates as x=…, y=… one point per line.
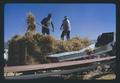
x=67, y=24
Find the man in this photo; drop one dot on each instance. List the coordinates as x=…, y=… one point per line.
x=66, y=28
x=46, y=22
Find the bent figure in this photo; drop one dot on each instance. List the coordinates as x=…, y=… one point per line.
x=46, y=22
x=66, y=28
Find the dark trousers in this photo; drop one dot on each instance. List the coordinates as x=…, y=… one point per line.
x=67, y=33
x=45, y=31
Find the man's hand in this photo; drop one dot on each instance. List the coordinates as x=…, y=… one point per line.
x=60, y=28
x=52, y=30
x=44, y=26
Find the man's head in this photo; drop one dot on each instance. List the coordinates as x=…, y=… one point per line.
x=49, y=15
x=65, y=17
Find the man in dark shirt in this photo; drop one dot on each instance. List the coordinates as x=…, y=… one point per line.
x=46, y=22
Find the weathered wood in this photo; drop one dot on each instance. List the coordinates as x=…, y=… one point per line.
x=54, y=65
x=62, y=72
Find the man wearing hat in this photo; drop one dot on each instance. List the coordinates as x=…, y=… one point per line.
x=66, y=28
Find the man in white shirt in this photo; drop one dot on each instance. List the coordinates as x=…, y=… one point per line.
x=66, y=28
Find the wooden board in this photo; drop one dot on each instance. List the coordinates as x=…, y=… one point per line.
x=62, y=72
x=54, y=65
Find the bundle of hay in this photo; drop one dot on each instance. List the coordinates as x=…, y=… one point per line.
x=26, y=50
x=16, y=51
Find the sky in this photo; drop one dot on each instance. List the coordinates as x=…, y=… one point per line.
x=87, y=20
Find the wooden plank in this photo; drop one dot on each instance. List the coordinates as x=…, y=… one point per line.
x=38, y=76
x=53, y=65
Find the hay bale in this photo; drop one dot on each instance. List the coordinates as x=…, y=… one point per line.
x=16, y=51
x=34, y=49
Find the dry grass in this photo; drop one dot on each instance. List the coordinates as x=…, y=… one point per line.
x=92, y=75
x=38, y=46
x=107, y=77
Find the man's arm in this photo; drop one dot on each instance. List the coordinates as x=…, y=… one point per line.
x=61, y=25
x=52, y=26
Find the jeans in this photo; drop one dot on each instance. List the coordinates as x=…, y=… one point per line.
x=67, y=33
x=45, y=30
